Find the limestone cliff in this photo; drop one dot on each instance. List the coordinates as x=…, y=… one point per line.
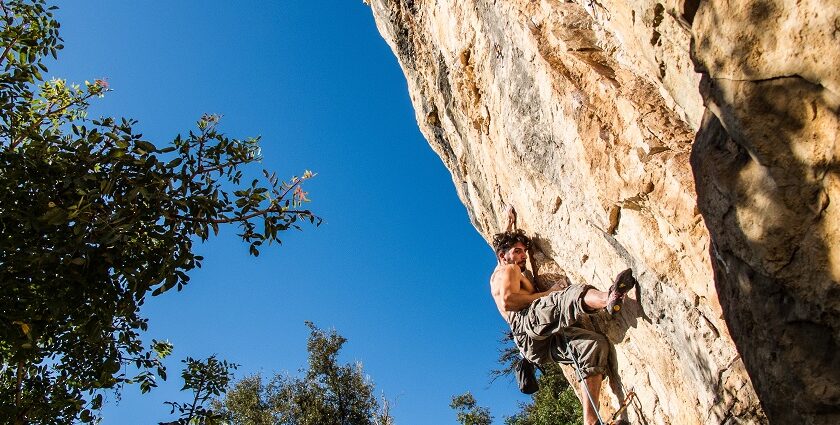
x=691, y=140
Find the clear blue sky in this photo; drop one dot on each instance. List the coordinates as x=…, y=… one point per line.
x=397, y=268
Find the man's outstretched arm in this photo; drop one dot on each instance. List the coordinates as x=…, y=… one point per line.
x=511, y=214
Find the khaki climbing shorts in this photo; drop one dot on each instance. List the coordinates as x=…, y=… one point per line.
x=538, y=332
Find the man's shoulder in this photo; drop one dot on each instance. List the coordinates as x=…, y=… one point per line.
x=505, y=271
x=512, y=268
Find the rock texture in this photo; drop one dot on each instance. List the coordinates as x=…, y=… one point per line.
x=693, y=141
x=766, y=163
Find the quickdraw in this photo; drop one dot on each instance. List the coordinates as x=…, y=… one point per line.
x=614, y=419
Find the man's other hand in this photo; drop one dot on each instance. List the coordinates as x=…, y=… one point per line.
x=511, y=215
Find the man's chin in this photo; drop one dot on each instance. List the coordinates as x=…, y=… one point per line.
x=521, y=267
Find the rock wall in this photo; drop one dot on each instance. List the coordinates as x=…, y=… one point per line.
x=766, y=166
x=597, y=120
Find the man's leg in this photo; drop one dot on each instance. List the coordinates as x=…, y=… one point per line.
x=562, y=309
x=594, y=299
x=593, y=384
x=591, y=351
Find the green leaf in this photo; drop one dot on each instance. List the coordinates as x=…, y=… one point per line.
x=54, y=216
x=145, y=146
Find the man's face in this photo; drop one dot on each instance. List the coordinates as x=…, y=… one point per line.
x=517, y=254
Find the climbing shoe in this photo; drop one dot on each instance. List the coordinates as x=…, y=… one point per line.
x=623, y=283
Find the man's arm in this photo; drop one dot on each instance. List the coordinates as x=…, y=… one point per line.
x=511, y=214
x=514, y=298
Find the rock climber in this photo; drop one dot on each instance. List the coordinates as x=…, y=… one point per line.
x=541, y=321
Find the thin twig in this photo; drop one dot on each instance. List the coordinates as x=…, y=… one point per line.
x=195, y=400
x=288, y=189
x=46, y=115
x=5, y=11
x=63, y=108
x=201, y=142
x=9, y=47
x=19, y=384
x=241, y=219
x=202, y=170
x=9, y=21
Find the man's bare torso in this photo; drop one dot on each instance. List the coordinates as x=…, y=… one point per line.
x=505, y=279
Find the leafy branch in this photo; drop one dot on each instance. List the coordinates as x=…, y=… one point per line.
x=206, y=379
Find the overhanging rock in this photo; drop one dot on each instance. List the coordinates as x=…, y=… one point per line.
x=693, y=141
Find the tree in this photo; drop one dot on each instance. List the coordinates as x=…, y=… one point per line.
x=93, y=219
x=469, y=413
x=206, y=379
x=327, y=394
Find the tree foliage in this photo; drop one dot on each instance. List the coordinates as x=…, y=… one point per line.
x=93, y=219
x=328, y=393
x=554, y=404
x=469, y=412
x=206, y=379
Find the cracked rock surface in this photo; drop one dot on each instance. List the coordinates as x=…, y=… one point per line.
x=694, y=141
x=766, y=166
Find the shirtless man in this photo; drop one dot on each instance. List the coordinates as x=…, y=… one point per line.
x=537, y=318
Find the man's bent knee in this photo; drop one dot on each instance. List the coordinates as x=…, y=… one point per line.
x=590, y=349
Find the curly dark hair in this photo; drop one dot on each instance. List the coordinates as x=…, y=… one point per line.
x=505, y=240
